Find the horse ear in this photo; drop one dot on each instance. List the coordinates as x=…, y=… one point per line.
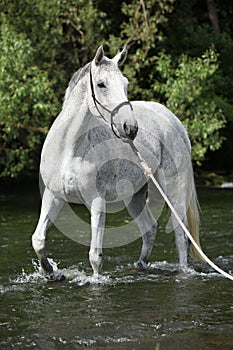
x=121, y=56
x=99, y=55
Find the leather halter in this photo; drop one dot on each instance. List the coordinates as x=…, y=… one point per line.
x=113, y=112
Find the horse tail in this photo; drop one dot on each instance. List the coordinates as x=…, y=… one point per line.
x=194, y=222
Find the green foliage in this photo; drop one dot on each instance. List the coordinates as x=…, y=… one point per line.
x=143, y=33
x=27, y=104
x=43, y=42
x=64, y=33
x=188, y=88
x=185, y=84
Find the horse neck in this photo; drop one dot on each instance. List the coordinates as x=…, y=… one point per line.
x=70, y=124
x=74, y=117
x=75, y=113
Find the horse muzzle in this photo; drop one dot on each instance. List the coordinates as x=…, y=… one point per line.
x=125, y=132
x=127, y=129
x=130, y=130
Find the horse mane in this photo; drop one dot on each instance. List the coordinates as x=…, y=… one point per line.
x=76, y=77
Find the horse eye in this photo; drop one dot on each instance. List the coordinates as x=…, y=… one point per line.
x=101, y=85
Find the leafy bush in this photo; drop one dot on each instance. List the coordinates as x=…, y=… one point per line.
x=185, y=84
x=27, y=104
x=188, y=89
x=44, y=42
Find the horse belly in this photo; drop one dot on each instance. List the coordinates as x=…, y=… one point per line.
x=119, y=179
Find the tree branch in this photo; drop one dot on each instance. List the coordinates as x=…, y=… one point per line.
x=213, y=15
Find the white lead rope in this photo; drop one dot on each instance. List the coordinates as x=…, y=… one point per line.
x=148, y=172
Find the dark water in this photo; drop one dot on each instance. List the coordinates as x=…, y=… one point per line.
x=128, y=309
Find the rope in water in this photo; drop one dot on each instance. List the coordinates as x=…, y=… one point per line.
x=148, y=172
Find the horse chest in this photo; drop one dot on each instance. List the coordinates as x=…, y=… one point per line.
x=113, y=179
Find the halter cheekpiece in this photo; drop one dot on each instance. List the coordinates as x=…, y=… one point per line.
x=113, y=112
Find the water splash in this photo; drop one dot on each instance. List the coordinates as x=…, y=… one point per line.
x=31, y=277
x=122, y=274
x=37, y=275
x=164, y=266
x=82, y=279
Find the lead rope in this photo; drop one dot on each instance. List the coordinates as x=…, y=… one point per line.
x=148, y=172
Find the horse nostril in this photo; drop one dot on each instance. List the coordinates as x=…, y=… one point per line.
x=130, y=131
x=134, y=132
x=126, y=129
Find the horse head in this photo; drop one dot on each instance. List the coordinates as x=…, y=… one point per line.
x=108, y=94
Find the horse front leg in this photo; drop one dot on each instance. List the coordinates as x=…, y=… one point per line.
x=141, y=214
x=50, y=208
x=98, y=209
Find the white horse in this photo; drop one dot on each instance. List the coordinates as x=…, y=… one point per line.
x=89, y=157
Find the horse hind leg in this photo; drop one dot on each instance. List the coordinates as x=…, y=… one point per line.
x=141, y=214
x=178, y=201
x=182, y=242
x=182, y=195
x=50, y=208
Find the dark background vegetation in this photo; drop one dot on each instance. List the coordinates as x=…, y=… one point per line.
x=180, y=54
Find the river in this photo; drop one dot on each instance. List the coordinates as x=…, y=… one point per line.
x=154, y=309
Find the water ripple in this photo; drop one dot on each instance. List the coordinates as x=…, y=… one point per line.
x=123, y=274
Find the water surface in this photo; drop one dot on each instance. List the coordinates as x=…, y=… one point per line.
x=127, y=309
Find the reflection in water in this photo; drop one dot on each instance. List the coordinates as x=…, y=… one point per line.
x=124, y=309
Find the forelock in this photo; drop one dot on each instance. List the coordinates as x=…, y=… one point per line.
x=107, y=64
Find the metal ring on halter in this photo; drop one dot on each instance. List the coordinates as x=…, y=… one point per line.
x=113, y=112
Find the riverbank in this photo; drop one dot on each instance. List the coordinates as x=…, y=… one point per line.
x=214, y=179
x=208, y=179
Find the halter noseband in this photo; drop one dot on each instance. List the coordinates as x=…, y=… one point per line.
x=113, y=112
